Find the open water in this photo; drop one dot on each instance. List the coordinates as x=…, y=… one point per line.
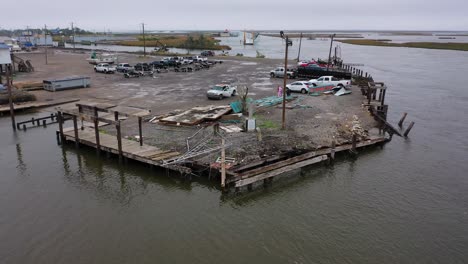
x=405, y=203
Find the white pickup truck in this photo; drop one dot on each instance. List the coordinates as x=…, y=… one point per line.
x=199, y=58
x=279, y=73
x=330, y=80
x=219, y=91
x=105, y=68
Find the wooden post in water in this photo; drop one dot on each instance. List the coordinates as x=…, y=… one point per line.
x=10, y=98
x=353, y=147
x=96, y=131
x=368, y=94
x=382, y=100
x=223, y=164
x=60, y=122
x=408, y=129
x=75, y=129
x=332, y=152
x=119, y=142
x=80, y=110
x=400, y=124
x=140, y=133
x=119, y=136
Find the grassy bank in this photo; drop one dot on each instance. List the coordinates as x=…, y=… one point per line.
x=422, y=45
x=177, y=41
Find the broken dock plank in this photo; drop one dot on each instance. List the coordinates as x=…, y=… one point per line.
x=279, y=171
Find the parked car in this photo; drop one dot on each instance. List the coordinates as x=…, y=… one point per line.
x=123, y=67
x=158, y=65
x=207, y=53
x=170, y=62
x=104, y=68
x=143, y=67
x=299, y=86
x=221, y=91
x=187, y=60
x=132, y=74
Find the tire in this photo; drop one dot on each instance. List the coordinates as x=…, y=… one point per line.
x=340, y=85
x=304, y=91
x=220, y=97
x=289, y=76
x=233, y=93
x=272, y=75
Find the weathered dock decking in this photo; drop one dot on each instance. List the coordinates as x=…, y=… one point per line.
x=130, y=148
x=273, y=166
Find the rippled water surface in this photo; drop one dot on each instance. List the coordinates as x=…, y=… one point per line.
x=405, y=203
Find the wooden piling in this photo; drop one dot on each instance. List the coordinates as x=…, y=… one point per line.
x=369, y=96
x=44, y=124
x=400, y=124
x=10, y=97
x=119, y=136
x=223, y=164
x=353, y=147
x=382, y=99
x=119, y=142
x=408, y=129
x=75, y=129
x=140, y=133
x=96, y=131
x=60, y=122
x=332, y=152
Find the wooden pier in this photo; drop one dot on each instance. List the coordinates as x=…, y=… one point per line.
x=235, y=176
x=124, y=148
x=130, y=148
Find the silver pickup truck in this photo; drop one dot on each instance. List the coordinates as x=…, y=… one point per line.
x=104, y=68
x=279, y=73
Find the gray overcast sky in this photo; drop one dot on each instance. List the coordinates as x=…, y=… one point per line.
x=120, y=15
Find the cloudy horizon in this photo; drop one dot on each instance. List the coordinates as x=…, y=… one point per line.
x=334, y=15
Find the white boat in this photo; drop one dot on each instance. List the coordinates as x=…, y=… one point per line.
x=97, y=58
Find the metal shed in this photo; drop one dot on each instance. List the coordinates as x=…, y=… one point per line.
x=67, y=83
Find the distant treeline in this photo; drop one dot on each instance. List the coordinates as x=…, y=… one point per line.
x=188, y=41
x=50, y=31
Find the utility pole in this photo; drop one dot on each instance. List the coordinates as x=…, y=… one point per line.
x=45, y=43
x=329, y=53
x=299, y=53
x=144, y=39
x=10, y=99
x=285, y=76
x=73, y=33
